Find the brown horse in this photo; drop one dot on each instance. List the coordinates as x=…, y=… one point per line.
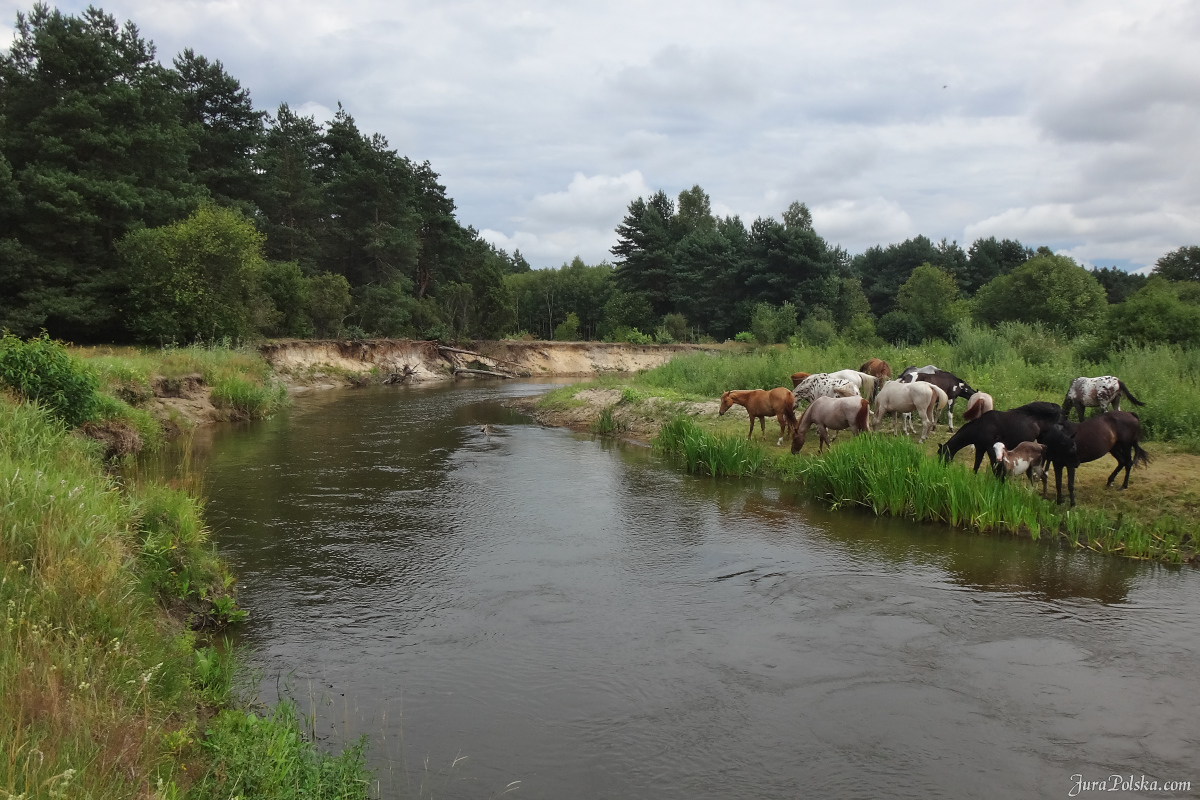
x=797, y=377
x=879, y=368
x=1114, y=432
x=761, y=404
x=831, y=414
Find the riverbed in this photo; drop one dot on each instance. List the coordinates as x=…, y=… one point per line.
x=528, y=609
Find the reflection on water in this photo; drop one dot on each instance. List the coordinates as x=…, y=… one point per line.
x=578, y=616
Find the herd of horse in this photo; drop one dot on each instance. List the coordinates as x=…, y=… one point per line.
x=1032, y=439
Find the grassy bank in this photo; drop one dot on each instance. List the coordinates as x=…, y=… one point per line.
x=892, y=476
x=1014, y=363
x=106, y=689
x=240, y=379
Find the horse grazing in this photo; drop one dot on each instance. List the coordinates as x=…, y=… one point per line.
x=860, y=380
x=797, y=377
x=979, y=404
x=822, y=385
x=1091, y=392
x=948, y=382
x=1113, y=432
x=760, y=404
x=1023, y=424
x=1027, y=458
x=897, y=398
x=831, y=414
x=877, y=367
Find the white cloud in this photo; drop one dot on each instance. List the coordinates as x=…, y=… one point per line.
x=1073, y=125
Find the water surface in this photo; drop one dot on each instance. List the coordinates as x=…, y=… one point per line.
x=578, y=616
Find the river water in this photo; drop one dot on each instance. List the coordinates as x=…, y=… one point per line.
x=578, y=616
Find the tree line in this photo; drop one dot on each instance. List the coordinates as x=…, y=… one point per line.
x=151, y=202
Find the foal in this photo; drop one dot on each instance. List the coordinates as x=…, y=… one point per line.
x=761, y=404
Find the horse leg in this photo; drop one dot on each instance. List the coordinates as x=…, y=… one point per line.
x=978, y=458
x=1071, y=484
x=762, y=422
x=750, y=435
x=824, y=434
x=1079, y=409
x=1058, y=468
x=950, y=414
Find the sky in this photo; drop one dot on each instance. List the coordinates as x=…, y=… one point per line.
x=1069, y=124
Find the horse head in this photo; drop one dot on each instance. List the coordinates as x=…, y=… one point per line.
x=726, y=403
x=944, y=452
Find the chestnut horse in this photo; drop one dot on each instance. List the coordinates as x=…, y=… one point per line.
x=879, y=368
x=831, y=414
x=761, y=404
x=797, y=377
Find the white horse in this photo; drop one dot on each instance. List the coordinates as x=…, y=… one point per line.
x=859, y=380
x=897, y=398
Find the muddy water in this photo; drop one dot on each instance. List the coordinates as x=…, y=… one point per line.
x=536, y=606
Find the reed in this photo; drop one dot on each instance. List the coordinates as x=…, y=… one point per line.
x=892, y=476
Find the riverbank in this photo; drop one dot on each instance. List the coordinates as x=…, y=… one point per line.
x=1160, y=509
x=113, y=680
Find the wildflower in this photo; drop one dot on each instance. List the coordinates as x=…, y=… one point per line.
x=84, y=685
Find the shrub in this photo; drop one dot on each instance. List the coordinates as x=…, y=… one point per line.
x=817, y=331
x=900, y=328
x=930, y=296
x=773, y=324
x=1049, y=289
x=745, y=336
x=1158, y=313
x=676, y=325
x=42, y=370
x=328, y=301
x=568, y=329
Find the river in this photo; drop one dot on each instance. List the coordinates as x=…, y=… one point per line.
x=559, y=616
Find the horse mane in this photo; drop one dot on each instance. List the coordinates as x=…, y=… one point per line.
x=863, y=409
x=1040, y=409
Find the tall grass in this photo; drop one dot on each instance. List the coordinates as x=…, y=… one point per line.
x=100, y=686
x=718, y=455
x=891, y=476
x=1015, y=363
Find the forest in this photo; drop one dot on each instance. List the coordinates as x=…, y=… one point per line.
x=146, y=202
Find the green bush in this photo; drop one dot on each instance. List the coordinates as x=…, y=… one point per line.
x=568, y=329
x=42, y=370
x=930, y=297
x=817, y=331
x=271, y=758
x=899, y=327
x=746, y=337
x=773, y=324
x=253, y=399
x=1049, y=289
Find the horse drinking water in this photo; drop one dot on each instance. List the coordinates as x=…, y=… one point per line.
x=831, y=414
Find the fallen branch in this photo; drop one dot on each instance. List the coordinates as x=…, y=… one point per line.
x=442, y=347
x=482, y=372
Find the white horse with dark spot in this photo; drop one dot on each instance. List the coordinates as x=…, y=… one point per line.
x=1092, y=392
x=822, y=385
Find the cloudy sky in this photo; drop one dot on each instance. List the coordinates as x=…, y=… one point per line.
x=1070, y=124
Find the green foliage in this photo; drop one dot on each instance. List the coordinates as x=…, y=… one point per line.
x=568, y=329
x=42, y=370
x=1180, y=265
x=542, y=298
x=214, y=671
x=328, y=303
x=816, y=330
x=1118, y=284
x=771, y=324
x=629, y=336
x=746, y=337
x=716, y=455
x=625, y=310
x=270, y=757
x=900, y=328
x=676, y=326
x=1049, y=289
x=1158, y=313
x=287, y=288
x=930, y=297
x=248, y=396
x=197, y=279
x=95, y=147
x=605, y=424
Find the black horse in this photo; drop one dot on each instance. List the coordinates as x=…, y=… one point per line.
x=948, y=382
x=1114, y=432
x=1022, y=424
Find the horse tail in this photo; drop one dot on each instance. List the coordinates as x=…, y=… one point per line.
x=1125, y=389
x=861, y=420
x=933, y=403
x=1140, y=457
